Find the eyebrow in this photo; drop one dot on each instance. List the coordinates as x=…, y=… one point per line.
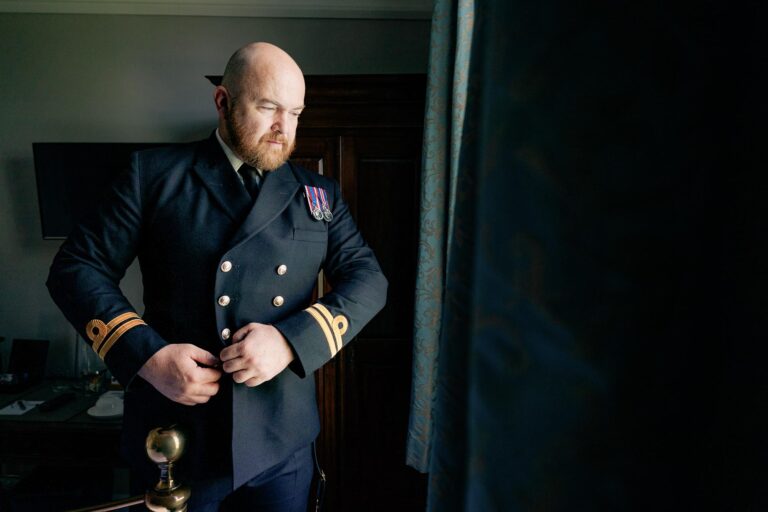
x=277, y=104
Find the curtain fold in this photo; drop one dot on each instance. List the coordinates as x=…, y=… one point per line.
x=450, y=47
x=500, y=386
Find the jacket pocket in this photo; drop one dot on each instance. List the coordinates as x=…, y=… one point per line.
x=310, y=235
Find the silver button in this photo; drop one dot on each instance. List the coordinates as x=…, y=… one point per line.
x=226, y=266
x=278, y=301
x=225, y=333
x=281, y=270
x=224, y=300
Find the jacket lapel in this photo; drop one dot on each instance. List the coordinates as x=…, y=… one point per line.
x=276, y=193
x=216, y=173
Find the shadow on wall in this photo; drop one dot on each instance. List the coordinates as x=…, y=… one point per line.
x=24, y=224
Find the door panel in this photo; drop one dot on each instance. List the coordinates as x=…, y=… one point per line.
x=364, y=393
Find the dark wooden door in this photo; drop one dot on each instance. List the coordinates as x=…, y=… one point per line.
x=366, y=132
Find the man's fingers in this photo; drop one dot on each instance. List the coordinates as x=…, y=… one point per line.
x=243, y=332
x=207, y=390
x=253, y=382
x=234, y=365
x=230, y=352
x=248, y=378
x=241, y=376
x=259, y=353
x=175, y=371
x=207, y=375
x=201, y=393
x=203, y=356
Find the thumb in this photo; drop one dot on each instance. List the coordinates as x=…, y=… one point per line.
x=203, y=356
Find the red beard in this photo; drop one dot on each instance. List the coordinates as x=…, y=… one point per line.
x=262, y=155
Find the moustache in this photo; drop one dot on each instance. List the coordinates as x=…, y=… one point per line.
x=282, y=139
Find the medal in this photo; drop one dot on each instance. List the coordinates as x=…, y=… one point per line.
x=317, y=201
x=313, y=202
x=327, y=215
x=317, y=212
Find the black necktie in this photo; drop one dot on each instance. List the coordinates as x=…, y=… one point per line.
x=251, y=179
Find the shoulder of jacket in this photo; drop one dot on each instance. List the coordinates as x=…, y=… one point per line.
x=311, y=178
x=183, y=152
x=157, y=165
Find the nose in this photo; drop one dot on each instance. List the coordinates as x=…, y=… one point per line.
x=280, y=121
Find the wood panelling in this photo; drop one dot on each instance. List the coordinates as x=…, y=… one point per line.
x=366, y=133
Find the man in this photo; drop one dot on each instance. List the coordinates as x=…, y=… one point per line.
x=230, y=337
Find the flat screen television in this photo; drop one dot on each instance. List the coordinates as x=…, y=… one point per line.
x=72, y=177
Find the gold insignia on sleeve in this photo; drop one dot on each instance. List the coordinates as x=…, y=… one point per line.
x=333, y=328
x=97, y=331
x=326, y=330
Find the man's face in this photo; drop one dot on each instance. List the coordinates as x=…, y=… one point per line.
x=261, y=121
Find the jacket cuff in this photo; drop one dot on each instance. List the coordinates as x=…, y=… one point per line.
x=124, y=343
x=133, y=350
x=315, y=337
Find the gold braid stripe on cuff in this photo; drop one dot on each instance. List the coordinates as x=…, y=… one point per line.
x=329, y=318
x=326, y=330
x=338, y=325
x=127, y=326
x=97, y=331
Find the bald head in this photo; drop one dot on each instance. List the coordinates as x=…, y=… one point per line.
x=259, y=103
x=258, y=61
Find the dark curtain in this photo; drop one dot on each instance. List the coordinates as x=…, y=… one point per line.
x=603, y=319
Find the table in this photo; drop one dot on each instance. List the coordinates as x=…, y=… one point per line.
x=45, y=451
x=65, y=435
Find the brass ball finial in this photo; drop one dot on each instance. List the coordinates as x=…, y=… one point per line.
x=164, y=447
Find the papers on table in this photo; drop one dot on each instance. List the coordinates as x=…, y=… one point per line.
x=19, y=407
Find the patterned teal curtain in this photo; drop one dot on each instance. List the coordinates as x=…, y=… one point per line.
x=591, y=294
x=450, y=47
x=498, y=383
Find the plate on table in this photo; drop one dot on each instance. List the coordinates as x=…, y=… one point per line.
x=109, y=405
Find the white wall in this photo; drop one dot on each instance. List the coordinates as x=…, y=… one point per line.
x=110, y=78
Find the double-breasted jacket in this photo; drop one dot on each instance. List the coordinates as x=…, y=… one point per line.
x=211, y=262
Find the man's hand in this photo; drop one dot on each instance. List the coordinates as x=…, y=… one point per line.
x=175, y=371
x=257, y=354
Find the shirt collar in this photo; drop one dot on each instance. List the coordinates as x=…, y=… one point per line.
x=234, y=160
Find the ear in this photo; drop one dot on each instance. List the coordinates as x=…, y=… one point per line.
x=221, y=99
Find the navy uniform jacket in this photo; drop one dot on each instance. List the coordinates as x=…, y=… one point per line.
x=212, y=262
